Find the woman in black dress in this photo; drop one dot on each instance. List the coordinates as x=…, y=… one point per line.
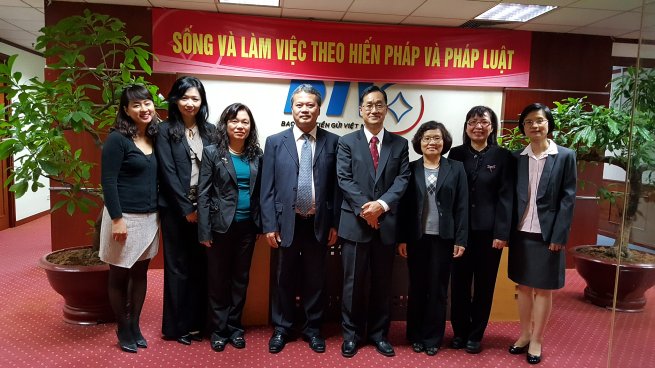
x=491, y=190
x=545, y=196
x=179, y=150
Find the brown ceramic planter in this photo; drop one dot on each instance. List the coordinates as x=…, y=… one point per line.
x=634, y=280
x=84, y=289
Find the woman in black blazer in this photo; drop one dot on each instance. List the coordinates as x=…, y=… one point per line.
x=179, y=151
x=433, y=231
x=229, y=220
x=491, y=190
x=545, y=196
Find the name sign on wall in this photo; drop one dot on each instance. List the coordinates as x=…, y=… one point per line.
x=237, y=45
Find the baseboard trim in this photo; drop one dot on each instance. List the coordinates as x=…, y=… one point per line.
x=32, y=218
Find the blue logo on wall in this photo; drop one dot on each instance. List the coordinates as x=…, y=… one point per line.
x=398, y=107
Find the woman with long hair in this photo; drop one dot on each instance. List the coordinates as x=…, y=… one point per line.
x=229, y=220
x=130, y=224
x=180, y=144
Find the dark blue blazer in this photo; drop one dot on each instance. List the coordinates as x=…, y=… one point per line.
x=218, y=193
x=174, y=160
x=280, y=183
x=555, y=193
x=360, y=183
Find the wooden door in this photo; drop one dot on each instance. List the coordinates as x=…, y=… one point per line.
x=6, y=199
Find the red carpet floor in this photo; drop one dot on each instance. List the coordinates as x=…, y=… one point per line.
x=33, y=334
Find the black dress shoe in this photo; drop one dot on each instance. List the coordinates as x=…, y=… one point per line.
x=238, y=341
x=457, y=343
x=218, y=342
x=533, y=359
x=384, y=347
x=196, y=336
x=184, y=339
x=513, y=349
x=418, y=347
x=432, y=350
x=126, y=341
x=348, y=348
x=317, y=344
x=473, y=347
x=276, y=343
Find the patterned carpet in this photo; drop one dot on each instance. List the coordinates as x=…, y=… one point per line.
x=33, y=333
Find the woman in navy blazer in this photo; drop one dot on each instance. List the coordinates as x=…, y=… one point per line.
x=433, y=231
x=545, y=196
x=229, y=220
x=179, y=151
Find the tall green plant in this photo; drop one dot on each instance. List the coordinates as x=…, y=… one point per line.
x=91, y=59
x=623, y=136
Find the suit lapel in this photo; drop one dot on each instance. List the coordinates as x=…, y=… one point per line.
x=253, y=174
x=290, y=144
x=385, y=148
x=419, y=176
x=365, y=152
x=185, y=143
x=320, y=143
x=522, y=180
x=227, y=162
x=444, y=170
x=545, y=175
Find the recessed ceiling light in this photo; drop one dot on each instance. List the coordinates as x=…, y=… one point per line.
x=252, y=2
x=514, y=12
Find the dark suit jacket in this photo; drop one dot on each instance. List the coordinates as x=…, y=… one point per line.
x=175, y=169
x=491, y=189
x=360, y=183
x=452, y=202
x=280, y=183
x=555, y=194
x=218, y=193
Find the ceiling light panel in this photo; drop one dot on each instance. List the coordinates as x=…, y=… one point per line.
x=514, y=12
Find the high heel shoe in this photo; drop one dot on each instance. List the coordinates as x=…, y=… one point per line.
x=126, y=341
x=138, y=337
x=513, y=349
x=533, y=359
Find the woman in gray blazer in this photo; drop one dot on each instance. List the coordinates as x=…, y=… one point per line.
x=229, y=220
x=433, y=231
x=545, y=196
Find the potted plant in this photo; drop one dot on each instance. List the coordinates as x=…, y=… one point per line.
x=622, y=136
x=90, y=60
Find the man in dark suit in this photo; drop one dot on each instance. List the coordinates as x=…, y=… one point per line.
x=299, y=208
x=373, y=173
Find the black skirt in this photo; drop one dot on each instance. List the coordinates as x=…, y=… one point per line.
x=532, y=264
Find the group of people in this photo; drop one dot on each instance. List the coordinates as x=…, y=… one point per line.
x=214, y=190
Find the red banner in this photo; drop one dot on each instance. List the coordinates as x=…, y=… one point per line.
x=237, y=45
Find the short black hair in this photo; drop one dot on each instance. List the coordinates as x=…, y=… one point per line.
x=480, y=111
x=310, y=90
x=372, y=89
x=537, y=107
x=431, y=125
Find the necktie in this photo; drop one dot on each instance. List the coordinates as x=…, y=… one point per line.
x=374, y=151
x=304, y=195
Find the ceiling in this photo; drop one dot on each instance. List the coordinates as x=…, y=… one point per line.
x=20, y=20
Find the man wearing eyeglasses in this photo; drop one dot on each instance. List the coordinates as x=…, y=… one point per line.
x=373, y=173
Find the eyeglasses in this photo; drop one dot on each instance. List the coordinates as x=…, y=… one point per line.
x=377, y=106
x=431, y=139
x=530, y=123
x=482, y=123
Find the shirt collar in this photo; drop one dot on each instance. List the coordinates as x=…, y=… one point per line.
x=551, y=150
x=369, y=135
x=297, y=133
